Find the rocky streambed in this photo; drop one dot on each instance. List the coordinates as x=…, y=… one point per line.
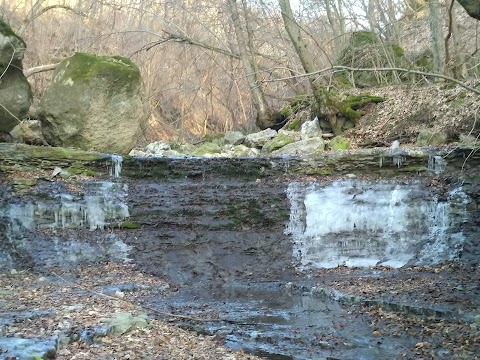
x=244, y=244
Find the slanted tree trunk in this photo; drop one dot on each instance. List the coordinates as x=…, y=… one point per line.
x=319, y=91
x=436, y=28
x=247, y=57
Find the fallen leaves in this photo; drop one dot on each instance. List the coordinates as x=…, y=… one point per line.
x=47, y=306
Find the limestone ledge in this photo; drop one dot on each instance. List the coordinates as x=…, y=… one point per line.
x=378, y=162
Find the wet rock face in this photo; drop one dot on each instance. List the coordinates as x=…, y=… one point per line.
x=196, y=231
x=194, y=220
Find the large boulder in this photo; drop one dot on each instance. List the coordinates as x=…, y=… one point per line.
x=258, y=139
x=15, y=91
x=310, y=146
x=12, y=47
x=94, y=103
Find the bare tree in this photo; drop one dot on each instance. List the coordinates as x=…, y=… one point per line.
x=318, y=89
x=247, y=56
x=436, y=29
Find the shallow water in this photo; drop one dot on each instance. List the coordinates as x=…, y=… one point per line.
x=280, y=321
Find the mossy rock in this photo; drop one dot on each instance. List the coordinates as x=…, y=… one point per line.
x=79, y=169
x=208, y=148
x=428, y=137
x=295, y=105
x=278, y=142
x=94, y=103
x=117, y=71
x=339, y=143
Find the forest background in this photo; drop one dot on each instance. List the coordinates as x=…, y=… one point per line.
x=205, y=62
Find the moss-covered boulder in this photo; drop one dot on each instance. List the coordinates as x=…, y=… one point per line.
x=278, y=142
x=15, y=92
x=339, y=143
x=207, y=148
x=311, y=146
x=94, y=103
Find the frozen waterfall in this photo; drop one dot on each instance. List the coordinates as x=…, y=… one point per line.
x=364, y=223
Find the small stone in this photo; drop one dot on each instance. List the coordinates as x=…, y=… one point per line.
x=25, y=181
x=376, y=333
x=56, y=171
x=13, y=272
x=119, y=294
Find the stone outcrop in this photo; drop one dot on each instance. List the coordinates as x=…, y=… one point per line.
x=15, y=92
x=94, y=103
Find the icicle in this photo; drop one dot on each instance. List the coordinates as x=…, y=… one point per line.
x=116, y=166
x=436, y=164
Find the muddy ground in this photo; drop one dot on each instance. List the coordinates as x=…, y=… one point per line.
x=342, y=313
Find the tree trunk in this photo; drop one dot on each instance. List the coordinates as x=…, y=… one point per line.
x=436, y=29
x=264, y=119
x=319, y=91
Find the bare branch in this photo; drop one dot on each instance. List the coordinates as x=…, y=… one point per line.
x=35, y=13
x=38, y=69
x=407, y=71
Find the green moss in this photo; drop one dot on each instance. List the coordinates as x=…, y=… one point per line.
x=116, y=70
x=339, y=143
x=449, y=85
x=363, y=38
x=425, y=61
x=351, y=105
x=412, y=169
x=25, y=181
x=397, y=51
x=299, y=102
x=246, y=213
x=79, y=169
x=130, y=225
x=278, y=142
x=217, y=138
x=59, y=153
x=460, y=99
x=208, y=148
x=294, y=125
x=342, y=80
